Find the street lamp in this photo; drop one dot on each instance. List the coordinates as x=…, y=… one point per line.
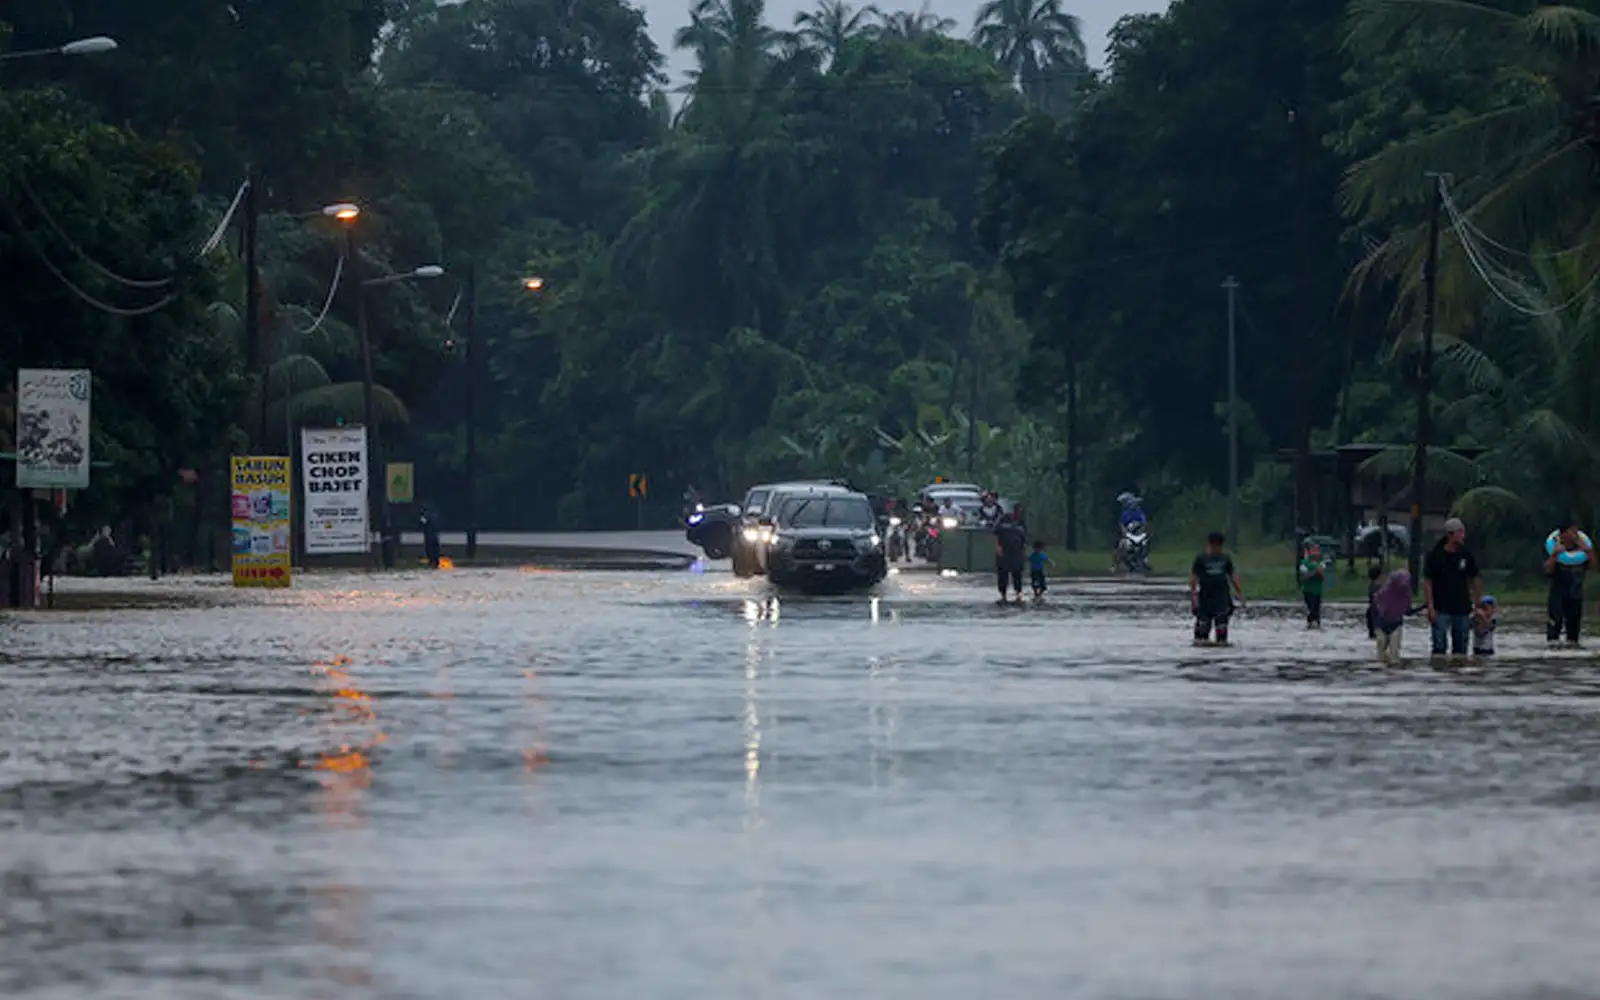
x=531, y=283
x=81, y=47
x=375, y=500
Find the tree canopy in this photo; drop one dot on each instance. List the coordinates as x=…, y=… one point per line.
x=869, y=242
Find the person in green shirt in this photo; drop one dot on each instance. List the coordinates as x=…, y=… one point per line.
x=1312, y=576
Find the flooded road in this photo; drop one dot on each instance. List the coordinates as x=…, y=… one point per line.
x=486, y=784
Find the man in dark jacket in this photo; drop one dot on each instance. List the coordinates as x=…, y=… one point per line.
x=1010, y=551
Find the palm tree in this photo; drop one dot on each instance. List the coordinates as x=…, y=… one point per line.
x=1526, y=390
x=833, y=23
x=1033, y=40
x=1522, y=167
x=917, y=24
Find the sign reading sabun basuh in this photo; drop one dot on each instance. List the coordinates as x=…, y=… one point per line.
x=334, y=470
x=53, y=428
x=261, y=550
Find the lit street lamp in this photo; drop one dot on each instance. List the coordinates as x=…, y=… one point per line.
x=532, y=283
x=376, y=502
x=81, y=47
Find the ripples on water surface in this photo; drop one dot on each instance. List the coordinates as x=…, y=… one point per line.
x=498, y=784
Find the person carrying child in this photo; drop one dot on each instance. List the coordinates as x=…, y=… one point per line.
x=1484, y=621
x=1037, y=561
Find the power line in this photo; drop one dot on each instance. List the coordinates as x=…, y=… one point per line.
x=338, y=272
x=215, y=240
x=105, y=307
x=1481, y=263
x=72, y=245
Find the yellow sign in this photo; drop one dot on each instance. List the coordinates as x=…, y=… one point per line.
x=401, y=480
x=261, y=533
x=638, y=485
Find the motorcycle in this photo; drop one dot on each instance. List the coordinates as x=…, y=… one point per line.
x=1133, y=550
x=895, y=539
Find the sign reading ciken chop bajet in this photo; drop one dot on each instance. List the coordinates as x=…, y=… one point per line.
x=334, y=470
x=261, y=549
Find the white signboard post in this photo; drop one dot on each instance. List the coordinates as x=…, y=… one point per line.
x=53, y=428
x=334, y=471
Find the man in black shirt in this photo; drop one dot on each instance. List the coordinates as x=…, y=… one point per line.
x=1451, y=587
x=1209, y=596
x=1010, y=551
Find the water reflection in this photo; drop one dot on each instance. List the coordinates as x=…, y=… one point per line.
x=883, y=718
x=753, y=655
x=339, y=911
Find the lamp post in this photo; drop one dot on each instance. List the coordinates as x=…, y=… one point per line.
x=81, y=47
x=532, y=283
x=376, y=502
x=1232, y=287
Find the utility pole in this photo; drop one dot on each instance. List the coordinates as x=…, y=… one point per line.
x=972, y=417
x=1233, y=416
x=255, y=346
x=1419, y=468
x=377, y=509
x=1304, y=476
x=1072, y=448
x=472, y=410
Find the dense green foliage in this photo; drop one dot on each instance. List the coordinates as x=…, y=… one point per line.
x=853, y=245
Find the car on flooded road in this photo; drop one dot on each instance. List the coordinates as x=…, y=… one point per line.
x=825, y=540
x=753, y=532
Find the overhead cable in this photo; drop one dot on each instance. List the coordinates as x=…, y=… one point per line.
x=105, y=307
x=217, y=234
x=72, y=245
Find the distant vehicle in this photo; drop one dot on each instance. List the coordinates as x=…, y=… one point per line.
x=1369, y=539
x=713, y=528
x=825, y=540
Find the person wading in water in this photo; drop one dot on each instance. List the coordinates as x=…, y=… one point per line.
x=1570, y=556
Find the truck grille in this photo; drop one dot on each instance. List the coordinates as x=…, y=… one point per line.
x=825, y=548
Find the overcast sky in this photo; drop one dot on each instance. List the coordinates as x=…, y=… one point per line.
x=666, y=16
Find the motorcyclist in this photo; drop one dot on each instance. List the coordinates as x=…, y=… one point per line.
x=1132, y=514
x=989, y=510
x=948, y=509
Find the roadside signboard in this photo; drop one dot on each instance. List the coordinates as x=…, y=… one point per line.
x=638, y=485
x=334, y=471
x=401, y=480
x=261, y=532
x=53, y=428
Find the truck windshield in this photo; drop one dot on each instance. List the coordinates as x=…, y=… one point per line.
x=828, y=512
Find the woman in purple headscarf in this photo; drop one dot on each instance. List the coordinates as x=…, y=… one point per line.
x=1390, y=605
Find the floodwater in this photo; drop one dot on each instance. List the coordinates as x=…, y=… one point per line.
x=485, y=784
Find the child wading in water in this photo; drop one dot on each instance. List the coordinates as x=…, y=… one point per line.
x=1037, y=561
x=1213, y=582
x=1391, y=603
x=1484, y=621
x=1312, y=576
